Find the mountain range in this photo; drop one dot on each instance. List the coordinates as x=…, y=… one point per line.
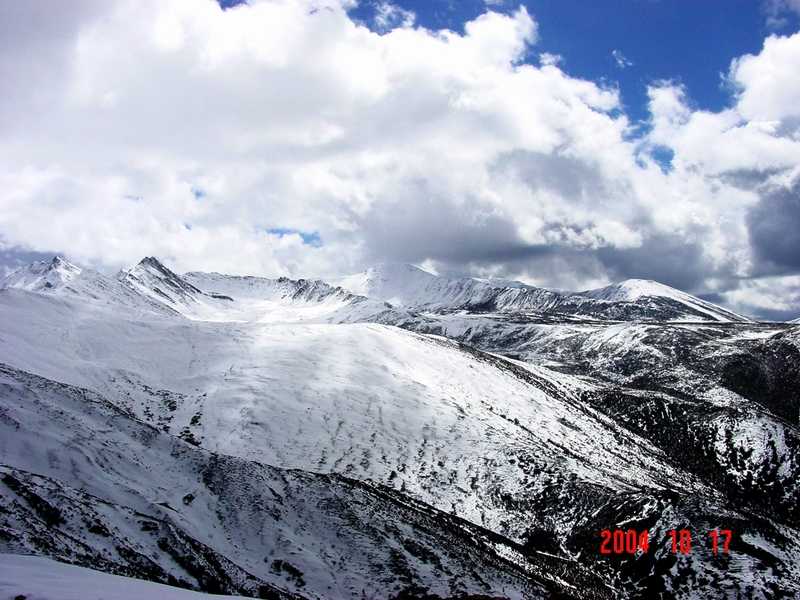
x=393, y=434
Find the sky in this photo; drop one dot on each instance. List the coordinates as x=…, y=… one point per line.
x=567, y=144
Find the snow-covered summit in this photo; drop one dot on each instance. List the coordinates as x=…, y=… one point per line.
x=633, y=289
x=152, y=279
x=42, y=276
x=637, y=290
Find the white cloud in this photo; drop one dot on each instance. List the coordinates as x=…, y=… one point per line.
x=389, y=16
x=776, y=11
x=546, y=58
x=767, y=83
x=409, y=145
x=759, y=132
x=620, y=59
x=776, y=297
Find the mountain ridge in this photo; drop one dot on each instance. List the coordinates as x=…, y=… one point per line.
x=401, y=286
x=412, y=287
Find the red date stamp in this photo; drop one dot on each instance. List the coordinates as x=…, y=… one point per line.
x=631, y=541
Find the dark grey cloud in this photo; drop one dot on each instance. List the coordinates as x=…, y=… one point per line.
x=569, y=177
x=424, y=226
x=771, y=314
x=470, y=236
x=774, y=228
x=669, y=259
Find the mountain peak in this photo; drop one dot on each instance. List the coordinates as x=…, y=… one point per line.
x=151, y=267
x=152, y=262
x=152, y=279
x=43, y=275
x=637, y=288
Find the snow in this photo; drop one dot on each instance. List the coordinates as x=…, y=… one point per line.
x=406, y=285
x=276, y=374
x=74, y=450
x=38, y=578
x=632, y=290
x=41, y=276
x=412, y=287
x=356, y=399
x=261, y=300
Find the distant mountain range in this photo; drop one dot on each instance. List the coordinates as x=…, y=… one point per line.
x=410, y=286
x=394, y=434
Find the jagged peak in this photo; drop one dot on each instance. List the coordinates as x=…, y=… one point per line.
x=42, y=275
x=153, y=266
x=60, y=260
x=152, y=262
x=57, y=262
x=151, y=275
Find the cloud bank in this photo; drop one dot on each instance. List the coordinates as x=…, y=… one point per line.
x=281, y=137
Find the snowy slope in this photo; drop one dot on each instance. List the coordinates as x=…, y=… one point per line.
x=373, y=402
x=257, y=299
x=37, y=578
x=89, y=484
x=154, y=281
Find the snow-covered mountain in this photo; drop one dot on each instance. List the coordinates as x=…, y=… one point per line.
x=62, y=279
x=42, y=275
x=637, y=290
x=151, y=287
x=291, y=439
x=257, y=299
x=634, y=299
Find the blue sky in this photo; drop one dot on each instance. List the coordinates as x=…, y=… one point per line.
x=690, y=42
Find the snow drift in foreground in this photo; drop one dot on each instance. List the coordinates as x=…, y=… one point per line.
x=38, y=578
